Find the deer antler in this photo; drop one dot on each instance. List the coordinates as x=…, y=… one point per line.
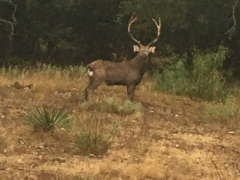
x=158, y=30
x=131, y=21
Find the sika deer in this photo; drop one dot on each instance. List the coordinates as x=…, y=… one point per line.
x=125, y=73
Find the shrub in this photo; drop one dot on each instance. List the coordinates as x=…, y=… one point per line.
x=129, y=107
x=206, y=81
x=115, y=105
x=94, y=138
x=112, y=104
x=45, y=119
x=89, y=142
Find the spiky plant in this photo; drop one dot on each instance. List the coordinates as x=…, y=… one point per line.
x=44, y=119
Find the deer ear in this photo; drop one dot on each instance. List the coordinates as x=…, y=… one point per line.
x=135, y=48
x=152, y=49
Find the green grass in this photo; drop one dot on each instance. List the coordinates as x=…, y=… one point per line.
x=222, y=110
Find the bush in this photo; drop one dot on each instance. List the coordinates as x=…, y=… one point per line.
x=115, y=105
x=129, y=107
x=206, y=81
x=45, y=119
x=89, y=142
x=93, y=138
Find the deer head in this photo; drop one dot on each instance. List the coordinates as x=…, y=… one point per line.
x=140, y=48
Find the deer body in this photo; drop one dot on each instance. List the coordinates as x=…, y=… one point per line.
x=125, y=73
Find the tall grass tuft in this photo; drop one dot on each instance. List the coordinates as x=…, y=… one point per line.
x=45, y=70
x=95, y=137
x=206, y=81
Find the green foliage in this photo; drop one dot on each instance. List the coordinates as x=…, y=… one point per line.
x=181, y=16
x=130, y=107
x=44, y=119
x=51, y=24
x=112, y=104
x=127, y=107
x=94, y=138
x=44, y=25
x=221, y=111
x=206, y=81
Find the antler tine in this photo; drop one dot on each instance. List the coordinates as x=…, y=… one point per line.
x=158, y=25
x=131, y=21
x=158, y=30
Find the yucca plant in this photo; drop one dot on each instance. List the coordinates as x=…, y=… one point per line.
x=44, y=119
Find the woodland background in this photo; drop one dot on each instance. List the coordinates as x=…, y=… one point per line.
x=71, y=32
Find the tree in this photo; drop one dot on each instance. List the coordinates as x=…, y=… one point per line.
x=7, y=22
x=41, y=21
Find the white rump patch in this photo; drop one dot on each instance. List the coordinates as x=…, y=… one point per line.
x=90, y=73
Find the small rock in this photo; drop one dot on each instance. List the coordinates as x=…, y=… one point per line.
x=62, y=129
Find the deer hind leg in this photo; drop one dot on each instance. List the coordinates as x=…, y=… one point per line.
x=92, y=86
x=130, y=91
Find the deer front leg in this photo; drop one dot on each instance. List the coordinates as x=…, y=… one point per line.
x=130, y=91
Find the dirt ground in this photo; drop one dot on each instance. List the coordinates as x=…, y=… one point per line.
x=170, y=138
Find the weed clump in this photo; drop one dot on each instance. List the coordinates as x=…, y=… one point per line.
x=94, y=138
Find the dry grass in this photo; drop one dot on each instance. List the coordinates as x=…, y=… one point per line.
x=169, y=138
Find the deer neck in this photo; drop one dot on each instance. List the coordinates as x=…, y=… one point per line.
x=140, y=62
